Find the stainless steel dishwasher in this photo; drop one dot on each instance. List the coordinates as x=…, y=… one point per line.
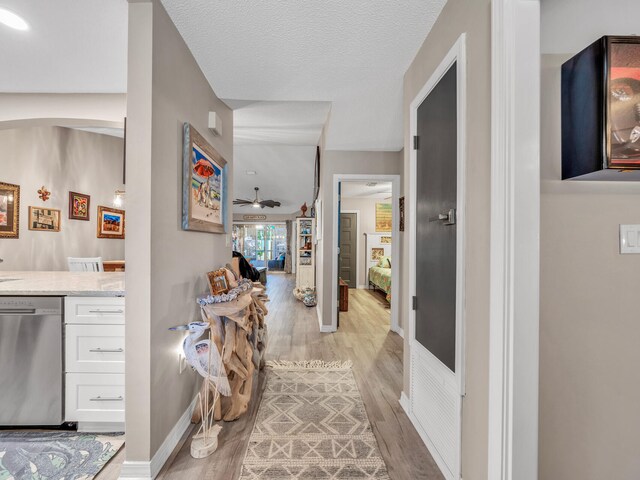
x=31, y=368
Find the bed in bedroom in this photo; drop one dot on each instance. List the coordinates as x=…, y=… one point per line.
x=380, y=276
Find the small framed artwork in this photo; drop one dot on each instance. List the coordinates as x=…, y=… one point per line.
x=383, y=217
x=44, y=219
x=204, y=200
x=385, y=240
x=376, y=254
x=401, y=214
x=9, y=210
x=110, y=223
x=79, y=206
x=218, y=282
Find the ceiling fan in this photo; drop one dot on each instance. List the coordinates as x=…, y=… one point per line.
x=256, y=203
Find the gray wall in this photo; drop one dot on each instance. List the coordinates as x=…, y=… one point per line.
x=332, y=162
x=366, y=208
x=474, y=18
x=62, y=160
x=167, y=269
x=589, y=328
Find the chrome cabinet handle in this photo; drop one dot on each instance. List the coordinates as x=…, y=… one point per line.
x=107, y=399
x=106, y=350
x=106, y=311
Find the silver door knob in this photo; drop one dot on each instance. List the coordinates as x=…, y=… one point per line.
x=448, y=218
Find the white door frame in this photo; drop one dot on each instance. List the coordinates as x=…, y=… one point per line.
x=395, y=247
x=418, y=353
x=357, y=212
x=515, y=240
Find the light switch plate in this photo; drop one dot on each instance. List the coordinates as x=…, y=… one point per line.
x=629, y=239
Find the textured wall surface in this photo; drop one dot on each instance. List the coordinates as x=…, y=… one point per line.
x=166, y=89
x=589, y=329
x=62, y=160
x=474, y=18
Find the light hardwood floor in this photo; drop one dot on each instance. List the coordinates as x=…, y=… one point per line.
x=364, y=338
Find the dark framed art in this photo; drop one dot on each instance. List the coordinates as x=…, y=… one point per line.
x=9, y=210
x=110, y=223
x=79, y=204
x=401, y=217
x=204, y=190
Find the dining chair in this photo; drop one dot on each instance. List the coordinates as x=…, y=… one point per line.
x=85, y=264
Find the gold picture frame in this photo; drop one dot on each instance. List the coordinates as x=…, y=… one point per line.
x=111, y=223
x=9, y=210
x=43, y=219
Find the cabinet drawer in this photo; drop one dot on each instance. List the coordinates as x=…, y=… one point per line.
x=94, y=397
x=94, y=348
x=94, y=310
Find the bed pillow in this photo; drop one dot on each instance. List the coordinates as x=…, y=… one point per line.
x=384, y=262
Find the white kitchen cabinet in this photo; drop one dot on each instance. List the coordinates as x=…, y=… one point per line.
x=95, y=362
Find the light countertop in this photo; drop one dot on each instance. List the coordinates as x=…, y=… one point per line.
x=77, y=284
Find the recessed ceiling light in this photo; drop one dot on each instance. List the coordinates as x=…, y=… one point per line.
x=13, y=20
x=250, y=172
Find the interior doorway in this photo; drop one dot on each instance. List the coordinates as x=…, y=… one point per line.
x=366, y=216
x=262, y=244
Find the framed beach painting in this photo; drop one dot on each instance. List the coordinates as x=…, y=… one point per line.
x=204, y=200
x=9, y=210
x=383, y=217
x=110, y=223
x=44, y=219
x=79, y=206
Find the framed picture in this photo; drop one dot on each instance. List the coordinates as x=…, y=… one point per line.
x=9, y=210
x=385, y=240
x=79, y=206
x=383, y=217
x=376, y=254
x=401, y=203
x=204, y=202
x=218, y=282
x=44, y=219
x=110, y=222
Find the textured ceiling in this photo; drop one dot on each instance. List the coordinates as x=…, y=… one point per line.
x=351, y=53
x=283, y=173
x=363, y=190
x=73, y=46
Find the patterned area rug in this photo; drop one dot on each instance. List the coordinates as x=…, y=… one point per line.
x=312, y=424
x=55, y=455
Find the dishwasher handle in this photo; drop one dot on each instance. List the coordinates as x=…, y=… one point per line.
x=17, y=311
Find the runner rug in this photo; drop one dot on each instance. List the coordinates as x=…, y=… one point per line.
x=33, y=455
x=311, y=424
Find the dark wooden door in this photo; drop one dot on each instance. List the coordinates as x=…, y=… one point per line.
x=435, y=220
x=348, y=249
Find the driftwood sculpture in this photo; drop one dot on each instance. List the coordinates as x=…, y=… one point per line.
x=238, y=329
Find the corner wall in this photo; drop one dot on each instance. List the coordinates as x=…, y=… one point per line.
x=346, y=162
x=62, y=160
x=165, y=265
x=589, y=328
x=474, y=18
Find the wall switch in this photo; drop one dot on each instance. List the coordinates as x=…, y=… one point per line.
x=629, y=239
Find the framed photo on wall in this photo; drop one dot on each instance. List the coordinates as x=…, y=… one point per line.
x=9, y=210
x=110, y=223
x=44, y=219
x=79, y=206
x=383, y=217
x=204, y=202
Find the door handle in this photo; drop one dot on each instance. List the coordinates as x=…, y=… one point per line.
x=448, y=218
x=107, y=399
x=106, y=350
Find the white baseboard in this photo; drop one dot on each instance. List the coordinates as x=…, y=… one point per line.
x=400, y=331
x=404, y=402
x=363, y=287
x=100, y=427
x=149, y=470
x=327, y=329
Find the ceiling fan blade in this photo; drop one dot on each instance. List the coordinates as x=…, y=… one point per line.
x=269, y=203
x=239, y=201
